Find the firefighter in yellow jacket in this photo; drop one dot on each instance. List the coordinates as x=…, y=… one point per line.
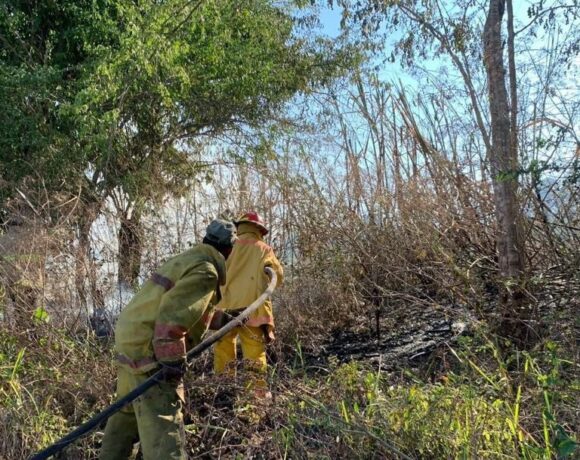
x=166, y=317
x=246, y=281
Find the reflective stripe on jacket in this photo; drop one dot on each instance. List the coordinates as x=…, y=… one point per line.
x=169, y=313
x=246, y=277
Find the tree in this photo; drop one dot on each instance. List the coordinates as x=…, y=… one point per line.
x=125, y=108
x=504, y=165
x=187, y=71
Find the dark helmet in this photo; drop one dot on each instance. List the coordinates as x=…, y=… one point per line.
x=221, y=232
x=253, y=217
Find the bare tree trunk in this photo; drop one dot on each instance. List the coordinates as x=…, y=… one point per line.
x=504, y=167
x=85, y=269
x=130, y=247
x=513, y=81
x=83, y=259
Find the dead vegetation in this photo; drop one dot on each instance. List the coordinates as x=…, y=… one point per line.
x=383, y=327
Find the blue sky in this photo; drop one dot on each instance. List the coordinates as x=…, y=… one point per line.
x=330, y=20
x=393, y=72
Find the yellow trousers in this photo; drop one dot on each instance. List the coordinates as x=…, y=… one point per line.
x=155, y=419
x=253, y=349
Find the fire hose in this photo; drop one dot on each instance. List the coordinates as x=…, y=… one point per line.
x=101, y=417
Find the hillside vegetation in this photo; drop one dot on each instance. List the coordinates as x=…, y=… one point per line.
x=418, y=166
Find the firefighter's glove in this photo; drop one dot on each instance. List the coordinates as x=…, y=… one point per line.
x=220, y=318
x=172, y=371
x=217, y=320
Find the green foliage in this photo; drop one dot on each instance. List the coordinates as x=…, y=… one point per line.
x=47, y=47
x=41, y=315
x=177, y=76
x=477, y=411
x=114, y=95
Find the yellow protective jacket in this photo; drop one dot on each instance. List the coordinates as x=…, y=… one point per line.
x=170, y=312
x=246, y=277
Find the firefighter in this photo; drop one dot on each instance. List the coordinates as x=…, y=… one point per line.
x=246, y=281
x=167, y=316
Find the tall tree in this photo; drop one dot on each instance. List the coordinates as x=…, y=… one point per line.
x=504, y=164
x=129, y=90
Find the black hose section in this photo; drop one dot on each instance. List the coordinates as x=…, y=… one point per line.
x=93, y=423
x=101, y=417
